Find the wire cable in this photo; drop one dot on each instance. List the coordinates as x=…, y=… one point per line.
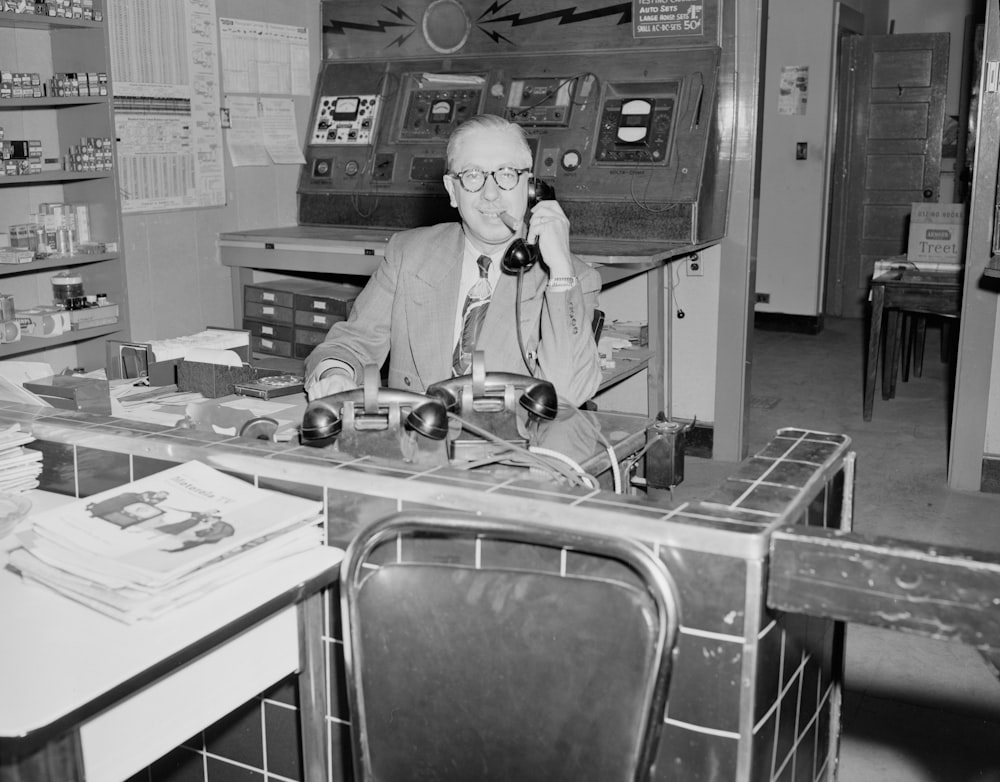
x=616, y=473
x=517, y=322
x=552, y=469
x=575, y=466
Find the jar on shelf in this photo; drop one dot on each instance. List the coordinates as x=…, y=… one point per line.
x=66, y=286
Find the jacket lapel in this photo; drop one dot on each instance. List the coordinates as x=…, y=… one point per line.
x=432, y=303
x=499, y=334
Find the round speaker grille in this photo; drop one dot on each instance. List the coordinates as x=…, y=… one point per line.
x=446, y=26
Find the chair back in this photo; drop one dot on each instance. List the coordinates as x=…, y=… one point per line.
x=484, y=649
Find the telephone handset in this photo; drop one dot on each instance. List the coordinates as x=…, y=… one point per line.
x=484, y=392
x=371, y=408
x=521, y=256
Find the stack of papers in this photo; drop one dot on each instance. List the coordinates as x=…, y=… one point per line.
x=19, y=466
x=137, y=551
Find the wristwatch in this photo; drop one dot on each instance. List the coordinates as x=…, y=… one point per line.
x=562, y=283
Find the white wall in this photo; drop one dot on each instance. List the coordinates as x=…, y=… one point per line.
x=175, y=280
x=793, y=192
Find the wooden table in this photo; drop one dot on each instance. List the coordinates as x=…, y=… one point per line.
x=107, y=699
x=894, y=294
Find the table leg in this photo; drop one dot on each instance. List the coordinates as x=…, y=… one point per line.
x=918, y=346
x=890, y=362
x=909, y=328
x=874, y=341
x=312, y=689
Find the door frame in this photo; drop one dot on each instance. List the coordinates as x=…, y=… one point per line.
x=846, y=22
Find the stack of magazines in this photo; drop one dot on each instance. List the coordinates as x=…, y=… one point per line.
x=19, y=466
x=137, y=551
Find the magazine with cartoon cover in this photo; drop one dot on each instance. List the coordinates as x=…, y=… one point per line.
x=162, y=527
x=131, y=603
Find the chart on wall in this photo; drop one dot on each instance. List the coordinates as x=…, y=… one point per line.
x=165, y=78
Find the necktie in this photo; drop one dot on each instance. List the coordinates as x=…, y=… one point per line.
x=473, y=314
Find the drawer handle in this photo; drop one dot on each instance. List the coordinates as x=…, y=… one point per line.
x=268, y=310
x=267, y=330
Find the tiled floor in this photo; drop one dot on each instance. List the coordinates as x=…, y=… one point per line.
x=916, y=709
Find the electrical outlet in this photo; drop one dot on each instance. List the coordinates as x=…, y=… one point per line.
x=763, y=298
x=694, y=268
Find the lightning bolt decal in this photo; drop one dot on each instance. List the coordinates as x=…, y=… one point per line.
x=399, y=13
x=565, y=16
x=337, y=27
x=494, y=8
x=497, y=37
x=400, y=39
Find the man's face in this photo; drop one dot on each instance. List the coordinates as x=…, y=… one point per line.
x=488, y=150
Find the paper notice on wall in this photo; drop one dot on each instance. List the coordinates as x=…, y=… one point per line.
x=793, y=92
x=281, y=135
x=262, y=131
x=245, y=137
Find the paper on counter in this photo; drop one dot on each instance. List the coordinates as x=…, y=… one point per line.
x=216, y=339
x=225, y=358
x=13, y=376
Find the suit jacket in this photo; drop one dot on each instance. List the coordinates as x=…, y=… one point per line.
x=407, y=311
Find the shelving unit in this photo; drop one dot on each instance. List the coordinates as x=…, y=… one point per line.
x=49, y=45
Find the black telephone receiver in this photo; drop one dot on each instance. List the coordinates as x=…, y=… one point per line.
x=521, y=256
x=372, y=408
x=496, y=391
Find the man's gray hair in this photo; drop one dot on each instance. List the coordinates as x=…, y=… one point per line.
x=487, y=122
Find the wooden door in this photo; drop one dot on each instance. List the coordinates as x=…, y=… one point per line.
x=893, y=94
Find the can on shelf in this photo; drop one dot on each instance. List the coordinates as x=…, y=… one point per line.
x=6, y=307
x=64, y=242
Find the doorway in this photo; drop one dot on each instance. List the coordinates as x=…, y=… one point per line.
x=890, y=115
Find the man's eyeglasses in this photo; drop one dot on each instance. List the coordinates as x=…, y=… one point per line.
x=473, y=180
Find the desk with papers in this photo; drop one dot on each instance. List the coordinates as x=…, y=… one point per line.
x=101, y=699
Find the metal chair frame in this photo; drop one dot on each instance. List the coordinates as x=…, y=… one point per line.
x=651, y=571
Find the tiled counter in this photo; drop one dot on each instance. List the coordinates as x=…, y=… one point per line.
x=754, y=694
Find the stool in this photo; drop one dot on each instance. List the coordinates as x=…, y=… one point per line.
x=898, y=295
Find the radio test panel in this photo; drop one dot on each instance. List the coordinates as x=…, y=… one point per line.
x=620, y=105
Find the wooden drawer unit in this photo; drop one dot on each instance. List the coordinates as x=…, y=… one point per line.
x=268, y=293
x=255, y=310
x=306, y=340
x=290, y=317
x=315, y=305
x=272, y=347
x=269, y=330
x=328, y=299
x=315, y=320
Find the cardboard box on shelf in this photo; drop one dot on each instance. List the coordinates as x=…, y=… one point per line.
x=937, y=232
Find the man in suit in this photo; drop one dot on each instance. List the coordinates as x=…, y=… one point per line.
x=413, y=308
